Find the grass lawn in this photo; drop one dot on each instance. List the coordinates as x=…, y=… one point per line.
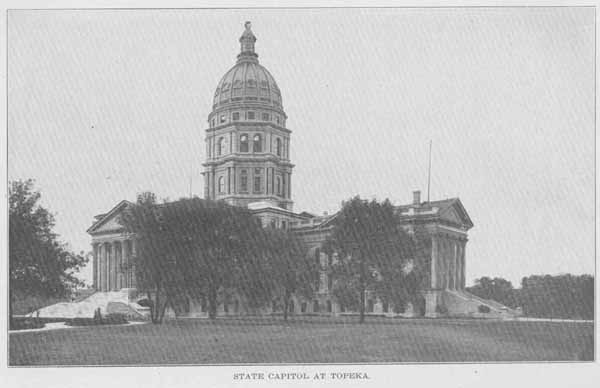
x=305, y=340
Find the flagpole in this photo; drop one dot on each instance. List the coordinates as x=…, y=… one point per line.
x=429, y=172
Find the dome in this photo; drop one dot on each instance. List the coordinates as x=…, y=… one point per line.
x=247, y=81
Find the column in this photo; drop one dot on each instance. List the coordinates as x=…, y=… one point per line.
x=434, y=254
x=115, y=266
x=125, y=263
x=95, y=267
x=464, y=264
x=106, y=269
x=133, y=254
x=119, y=265
x=100, y=268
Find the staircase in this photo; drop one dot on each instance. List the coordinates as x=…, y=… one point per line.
x=107, y=301
x=463, y=303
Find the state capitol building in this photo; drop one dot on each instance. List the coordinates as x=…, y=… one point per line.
x=248, y=164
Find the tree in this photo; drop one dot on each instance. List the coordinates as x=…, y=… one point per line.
x=290, y=270
x=498, y=289
x=155, y=272
x=40, y=265
x=373, y=250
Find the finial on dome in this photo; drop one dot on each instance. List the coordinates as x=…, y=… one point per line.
x=247, y=44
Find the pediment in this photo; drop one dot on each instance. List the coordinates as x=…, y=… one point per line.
x=110, y=222
x=457, y=215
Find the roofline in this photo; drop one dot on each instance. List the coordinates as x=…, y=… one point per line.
x=106, y=216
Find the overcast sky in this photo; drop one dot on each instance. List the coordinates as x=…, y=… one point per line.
x=105, y=104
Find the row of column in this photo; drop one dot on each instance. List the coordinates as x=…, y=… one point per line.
x=448, y=263
x=113, y=266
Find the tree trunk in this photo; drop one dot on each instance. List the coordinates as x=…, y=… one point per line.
x=286, y=305
x=10, y=312
x=156, y=309
x=164, y=308
x=212, y=301
x=362, y=305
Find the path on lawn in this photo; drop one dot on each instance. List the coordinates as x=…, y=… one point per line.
x=306, y=340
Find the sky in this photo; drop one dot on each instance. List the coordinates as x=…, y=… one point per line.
x=104, y=104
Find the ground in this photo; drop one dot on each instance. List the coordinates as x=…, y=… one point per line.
x=306, y=340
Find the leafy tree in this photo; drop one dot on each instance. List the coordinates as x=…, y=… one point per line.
x=373, y=250
x=155, y=271
x=290, y=270
x=40, y=265
x=498, y=289
x=561, y=296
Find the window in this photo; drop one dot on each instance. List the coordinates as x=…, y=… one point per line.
x=203, y=305
x=329, y=307
x=329, y=282
x=278, y=188
x=244, y=143
x=235, y=116
x=257, y=143
x=277, y=119
x=236, y=306
x=318, y=256
x=212, y=123
x=251, y=115
x=222, y=185
x=266, y=117
x=220, y=146
x=222, y=119
x=278, y=146
x=291, y=306
x=273, y=224
x=385, y=307
x=342, y=308
x=244, y=180
x=283, y=225
x=257, y=183
x=316, y=306
x=226, y=306
x=273, y=306
x=330, y=260
x=303, y=307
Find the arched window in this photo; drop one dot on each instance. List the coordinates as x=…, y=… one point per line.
x=244, y=143
x=278, y=185
x=220, y=146
x=278, y=146
x=257, y=143
x=222, y=185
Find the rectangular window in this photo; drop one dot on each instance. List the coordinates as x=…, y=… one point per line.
x=257, y=184
x=277, y=119
x=222, y=118
x=235, y=116
x=244, y=181
x=266, y=117
x=316, y=306
x=251, y=115
x=329, y=282
x=303, y=307
x=283, y=225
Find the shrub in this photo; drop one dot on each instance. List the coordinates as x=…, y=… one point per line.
x=483, y=309
x=109, y=319
x=26, y=324
x=115, y=319
x=443, y=310
x=145, y=303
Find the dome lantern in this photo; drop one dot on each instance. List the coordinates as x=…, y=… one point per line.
x=247, y=41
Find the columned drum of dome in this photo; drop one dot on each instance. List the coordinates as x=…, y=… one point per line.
x=247, y=142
